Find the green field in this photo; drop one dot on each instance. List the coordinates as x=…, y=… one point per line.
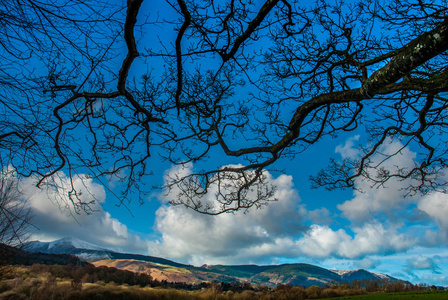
x=398, y=296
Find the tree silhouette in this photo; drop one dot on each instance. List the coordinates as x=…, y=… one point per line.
x=257, y=81
x=15, y=219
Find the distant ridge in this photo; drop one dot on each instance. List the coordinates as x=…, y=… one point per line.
x=68, y=245
x=300, y=274
x=17, y=256
x=90, y=252
x=62, y=245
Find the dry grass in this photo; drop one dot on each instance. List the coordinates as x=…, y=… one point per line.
x=37, y=283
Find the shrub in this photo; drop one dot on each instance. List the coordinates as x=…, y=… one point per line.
x=11, y=295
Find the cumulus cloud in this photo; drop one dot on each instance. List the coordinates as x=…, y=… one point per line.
x=368, y=201
x=372, y=238
x=422, y=263
x=55, y=218
x=386, y=203
x=425, y=269
x=274, y=231
x=322, y=241
x=238, y=237
x=320, y=216
x=368, y=263
x=255, y=236
x=435, y=205
x=375, y=238
x=347, y=150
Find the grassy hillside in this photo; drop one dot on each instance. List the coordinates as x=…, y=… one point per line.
x=171, y=271
x=270, y=276
x=150, y=259
x=296, y=274
x=241, y=271
x=41, y=282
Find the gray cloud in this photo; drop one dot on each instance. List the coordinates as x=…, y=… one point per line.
x=422, y=263
x=320, y=216
x=368, y=263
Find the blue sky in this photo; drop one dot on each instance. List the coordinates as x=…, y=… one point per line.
x=376, y=229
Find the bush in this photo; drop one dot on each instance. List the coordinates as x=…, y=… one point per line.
x=11, y=295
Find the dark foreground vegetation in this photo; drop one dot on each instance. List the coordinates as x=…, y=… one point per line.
x=41, y=281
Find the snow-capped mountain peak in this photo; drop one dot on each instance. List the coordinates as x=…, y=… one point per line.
x=69, y=242
x=70, y=245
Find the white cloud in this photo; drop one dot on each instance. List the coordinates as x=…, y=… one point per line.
x=322, y=241
x=55, y=217
x=436, y=206
x=424, y=269
x=410, y=265
x=348, y=150
x=278, y=231
x=422, y=263
x=372, y=238
x=319, y=216
x=431, y=278
x=274, y=231
x=239, y=237
x=368, y=263
x=368, y=201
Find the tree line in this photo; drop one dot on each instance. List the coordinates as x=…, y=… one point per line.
x=89, y=282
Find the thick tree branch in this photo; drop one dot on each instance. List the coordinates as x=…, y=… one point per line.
x=253, y=25
x=129, y=25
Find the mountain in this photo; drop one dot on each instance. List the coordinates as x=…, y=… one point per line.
x=62, y=246
x=82, y=249
x=164, y=269
x=361, y=274
x=17, y=256
x=91, y=252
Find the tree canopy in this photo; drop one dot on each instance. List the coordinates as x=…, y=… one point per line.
x=98, y=88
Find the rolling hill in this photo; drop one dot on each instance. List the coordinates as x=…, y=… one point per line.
x=163, y=269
